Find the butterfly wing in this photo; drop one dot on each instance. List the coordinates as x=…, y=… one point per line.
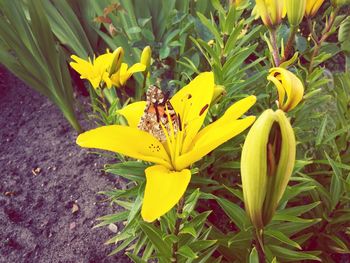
x=156, y=113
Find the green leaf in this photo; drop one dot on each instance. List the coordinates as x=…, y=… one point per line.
x=154, y=236
x=189, y=230
x=135, y=258
x=131, y=170
x=336, y=188
x=114, y=218
x=281, y=237
x=201, y=245
x=292, y=255
x=187, y=252
x=234, y=212
x=253, y=256
x=211, y=28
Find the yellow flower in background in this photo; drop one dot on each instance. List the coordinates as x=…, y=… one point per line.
x=107, y=68
x=288, y=85
x=267, y=162
x=295, y=11
x=95, y=71
x=312, y=7
x=167, y=180
x=270, y=11
x=120, y=78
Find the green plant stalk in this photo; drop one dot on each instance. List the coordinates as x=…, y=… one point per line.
x=177, y=227
x=275, y=55
x=290, y=42
x=259, y=245
x=326, y=34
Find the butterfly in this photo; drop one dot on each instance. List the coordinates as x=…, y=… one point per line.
x=158, y=112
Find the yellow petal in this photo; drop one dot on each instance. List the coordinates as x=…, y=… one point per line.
x=312, y=7
x=213, y=138
x=287, y=82
x=83, y=67
x=123, y=74
x=137, y=67
x=127, y=141
x=133, y=112
x=192, y=103
x=164, y=188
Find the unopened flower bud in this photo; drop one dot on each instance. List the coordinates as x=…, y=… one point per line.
x=118, y=55
x=267, y=163
x=312, y=7
x=295, y=11
x=146, y=56
x=270, y=11
x=219, y=92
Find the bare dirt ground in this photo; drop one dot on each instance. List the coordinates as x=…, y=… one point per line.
x=48, y=184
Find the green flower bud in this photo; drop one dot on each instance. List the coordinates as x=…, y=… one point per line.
x=219, y=92
x=295, y=11
x=146, y=56
x=267, y=163
x=118, y=56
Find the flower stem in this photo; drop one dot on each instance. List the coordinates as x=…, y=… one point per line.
x=275, y=55
x=325, y=35
x=180, y=206
x=259, y=245
x=290, y=42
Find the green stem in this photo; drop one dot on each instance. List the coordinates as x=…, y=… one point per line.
x=177, y=227
x=259, y=245
x=275, y=53
x=325, y=35
x=290, y=42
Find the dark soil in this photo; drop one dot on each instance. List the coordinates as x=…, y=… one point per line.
x=44, y=173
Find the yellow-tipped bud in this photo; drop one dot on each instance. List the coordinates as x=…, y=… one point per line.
x=295, y=11
x=118, y=56
x=270, y=11
x=219, y=92
x=146, y=56
x=267, y=163
x=312, y=7
x=289, y=87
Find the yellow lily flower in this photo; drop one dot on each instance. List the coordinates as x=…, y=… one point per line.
x=286, y=83
x=120, y=78
x=95, y=71
x=312, y=7
x=270, y=11
x=167, y=180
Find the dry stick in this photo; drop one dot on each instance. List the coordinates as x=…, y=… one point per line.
x=325, y=35
x=177, y=227
x=275, y=54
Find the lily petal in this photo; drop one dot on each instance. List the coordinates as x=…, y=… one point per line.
x=192, y=103
x=125, y=140
x=133, y=112
x=212, y=138
x=164, y=188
